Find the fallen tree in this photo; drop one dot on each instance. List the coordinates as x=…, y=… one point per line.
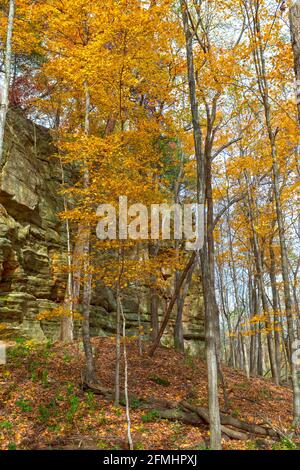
x=186, y=413
x=229, y=420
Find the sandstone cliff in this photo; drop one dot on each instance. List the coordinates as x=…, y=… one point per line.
x=32, y=244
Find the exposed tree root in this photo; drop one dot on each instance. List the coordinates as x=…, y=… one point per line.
x=188, y=414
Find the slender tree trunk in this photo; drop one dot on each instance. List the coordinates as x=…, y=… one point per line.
x=67, y=323
x=118, y=348
x=140, y=333
x=154, y=310
x=253, y=353
x=206, y=278
x=295, y=34
x=263, y=86
x=230, y=360
x=287, y=294
x=254, y=335
x=275, y=303
x=129, y=436
x=260, y=359
x=6, y=78
x=171, y=304
x=210, y=229
x=90, y=374
x=245, y=356
x=178, y=328
x=154, y=299
x=259, y=271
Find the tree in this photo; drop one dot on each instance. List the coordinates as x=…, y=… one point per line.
x=7, y=73
x=295, y=33
x=205, y=266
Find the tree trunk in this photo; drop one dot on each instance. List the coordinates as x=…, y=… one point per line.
x=275, y=302
x=118, y=348
x=259, y=272
x=287, y=295
x=171, y=304
x=206, y=275
x=178, y=328
x=263, y=85
x=260, y=355
x=253, y=310
x=126, y=393
x=295, y=34
x=90, y=375
x=154, y=299
x=245, y=356
x=6, y=79
x=67, y=322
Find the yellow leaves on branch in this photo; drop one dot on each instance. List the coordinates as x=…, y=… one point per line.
x=58, y=312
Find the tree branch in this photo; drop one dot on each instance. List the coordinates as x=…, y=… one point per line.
x=235, y=199
x=225, y=146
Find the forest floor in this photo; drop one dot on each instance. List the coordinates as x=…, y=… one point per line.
x=43, y=406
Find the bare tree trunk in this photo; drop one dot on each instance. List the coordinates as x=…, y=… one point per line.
x=154, y=299
x=140, y=333
x=223, y=296
x=77, y=264
x=178, y=328
x=90, y=375
x=260, y=355
x=206, y=275
x=263, y=86
x=118, y=348
x=67, y=323
x=171, y=304
x=253, y=353
x=154, y=310
x=245, y=356
x=275, y=303
x=129, y=436
x=252, y=312
x=259, y=272
x=6, y=79
x=295, y=33
x=287, y=295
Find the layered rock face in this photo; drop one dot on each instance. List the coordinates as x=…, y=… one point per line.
x=33, y=245
x=31, y=233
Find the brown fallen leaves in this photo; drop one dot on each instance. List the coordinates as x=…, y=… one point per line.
x=42, y=404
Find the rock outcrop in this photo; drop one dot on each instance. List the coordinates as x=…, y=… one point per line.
x=33, y=245
x=31, y=233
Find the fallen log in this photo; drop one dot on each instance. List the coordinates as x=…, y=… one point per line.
x=179, y=415
x=239, y=436
x=195, y=420
x=144, y=402
x=188, y=414
x=228, y=420
x=204, y=415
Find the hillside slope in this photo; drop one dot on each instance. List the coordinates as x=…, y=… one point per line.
x=43, y=406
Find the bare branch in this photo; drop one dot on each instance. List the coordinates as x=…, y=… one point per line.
x=225, y=146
